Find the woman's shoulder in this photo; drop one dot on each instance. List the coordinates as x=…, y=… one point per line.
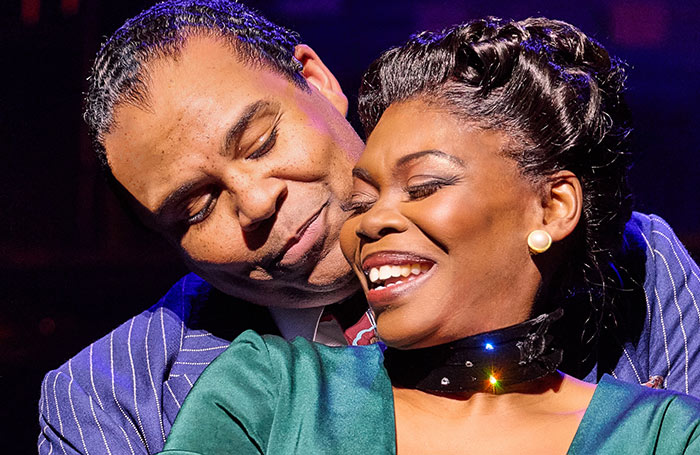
x=658, y=421
x=663, y=403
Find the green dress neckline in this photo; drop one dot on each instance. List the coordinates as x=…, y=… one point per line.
x=591, y=417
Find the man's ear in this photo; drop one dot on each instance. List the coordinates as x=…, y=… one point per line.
x=320, y=77
x=562, y=203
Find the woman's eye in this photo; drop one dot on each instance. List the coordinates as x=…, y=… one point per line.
x=200, y=209
x=424, y=189
x=263, y=145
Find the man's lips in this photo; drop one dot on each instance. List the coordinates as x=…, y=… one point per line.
x=304, y=239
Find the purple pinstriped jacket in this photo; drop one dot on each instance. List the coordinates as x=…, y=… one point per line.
x=120, y=395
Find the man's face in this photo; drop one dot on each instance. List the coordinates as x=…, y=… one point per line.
x=243, y=171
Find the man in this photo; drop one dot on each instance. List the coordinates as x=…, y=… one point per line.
x=228, y=137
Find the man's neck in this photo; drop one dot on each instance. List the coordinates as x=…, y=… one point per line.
x=297, y=322
x=326, y=325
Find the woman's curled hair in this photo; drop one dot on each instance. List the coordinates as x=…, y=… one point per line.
x=558, y=95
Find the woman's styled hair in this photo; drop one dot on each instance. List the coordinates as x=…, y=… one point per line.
x=558, y=95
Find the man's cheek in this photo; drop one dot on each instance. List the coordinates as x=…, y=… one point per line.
x=198, y=249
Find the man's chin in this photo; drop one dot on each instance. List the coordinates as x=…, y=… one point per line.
x=332, y=272
x=286, y=290
x=320, y=278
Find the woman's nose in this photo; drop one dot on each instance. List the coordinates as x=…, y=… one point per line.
x=382, y=219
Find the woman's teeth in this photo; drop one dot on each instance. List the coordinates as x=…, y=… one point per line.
x=391, y=275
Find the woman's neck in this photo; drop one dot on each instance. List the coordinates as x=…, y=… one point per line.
x=540, y=416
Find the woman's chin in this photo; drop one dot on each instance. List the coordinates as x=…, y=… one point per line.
x=399, y=333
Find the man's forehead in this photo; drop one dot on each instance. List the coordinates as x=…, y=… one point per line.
x=193, y=99
x=208, y=68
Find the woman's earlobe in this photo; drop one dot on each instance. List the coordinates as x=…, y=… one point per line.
x=539, y=241
x=563, y=204
x=320, y=77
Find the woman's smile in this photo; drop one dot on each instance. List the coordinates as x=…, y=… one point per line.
x=390, y=275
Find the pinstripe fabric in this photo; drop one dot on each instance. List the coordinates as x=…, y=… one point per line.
x=669, y=342
x=121, y=394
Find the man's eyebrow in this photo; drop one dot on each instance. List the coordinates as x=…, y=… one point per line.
x=174, y=198
x=363, y=174
x=235, y=132
x=406, y=159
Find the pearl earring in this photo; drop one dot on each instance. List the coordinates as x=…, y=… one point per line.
x=539, y=241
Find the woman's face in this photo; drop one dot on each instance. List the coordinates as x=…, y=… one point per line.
x=438, y=230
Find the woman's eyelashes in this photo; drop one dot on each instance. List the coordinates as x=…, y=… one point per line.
x=427, y=186
x=361, y=202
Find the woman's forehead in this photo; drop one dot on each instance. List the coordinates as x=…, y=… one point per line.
x=414, y=128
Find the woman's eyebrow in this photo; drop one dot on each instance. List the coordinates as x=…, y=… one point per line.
x=406, y=159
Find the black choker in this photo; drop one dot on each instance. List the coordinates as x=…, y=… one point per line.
x=488, y=361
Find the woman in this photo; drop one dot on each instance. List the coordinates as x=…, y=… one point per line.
x=492, y=189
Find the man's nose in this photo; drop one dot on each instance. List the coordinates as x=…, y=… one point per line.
x=259, y=201
x=382, y=219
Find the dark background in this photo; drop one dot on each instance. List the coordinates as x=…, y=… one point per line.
x=73, y=266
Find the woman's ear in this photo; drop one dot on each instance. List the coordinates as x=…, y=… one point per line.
x=562, y=203
x=320, y=77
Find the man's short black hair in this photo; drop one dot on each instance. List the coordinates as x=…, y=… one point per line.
x=118, y=74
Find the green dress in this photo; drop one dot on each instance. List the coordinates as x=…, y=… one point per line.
x=264, y=395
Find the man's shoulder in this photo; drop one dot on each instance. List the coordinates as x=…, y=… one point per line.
x=669, y=280
x=167, y=318
x=668, y=266
x=185, y=331
x=117, y=383
x=652, y=234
